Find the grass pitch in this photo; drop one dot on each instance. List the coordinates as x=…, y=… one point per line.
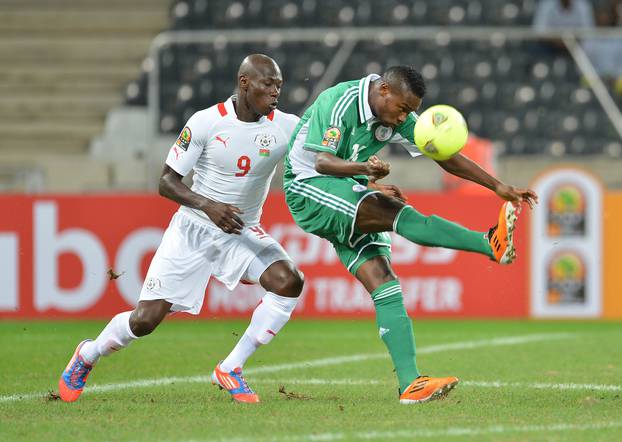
x=319, y=381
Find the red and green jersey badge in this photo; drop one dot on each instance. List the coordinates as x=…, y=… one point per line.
x=331, y=137
x=264, y=152
x=184, y=138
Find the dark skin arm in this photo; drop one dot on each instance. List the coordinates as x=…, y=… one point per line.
x=225, y=216
x=329, y=164
x=375, y=168
x=463, y=167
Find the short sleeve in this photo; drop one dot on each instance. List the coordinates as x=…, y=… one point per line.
x=405, y=135
x=324, y=132
x=189, y=145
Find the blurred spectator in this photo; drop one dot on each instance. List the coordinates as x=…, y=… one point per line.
x=606, y=53
x=555, y=14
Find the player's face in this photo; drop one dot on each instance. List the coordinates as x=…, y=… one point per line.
x=395, y=105
x=264, y=89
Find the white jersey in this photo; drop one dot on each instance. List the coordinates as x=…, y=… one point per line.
x=233, y=161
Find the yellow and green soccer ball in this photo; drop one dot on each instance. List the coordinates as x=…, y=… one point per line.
x=441, y=132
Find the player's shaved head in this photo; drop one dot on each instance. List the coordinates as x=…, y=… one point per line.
x=405, y=78
x=258, y=65
x=259, y=86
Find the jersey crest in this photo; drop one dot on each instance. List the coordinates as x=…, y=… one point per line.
x=264, y=142
x=383, y=133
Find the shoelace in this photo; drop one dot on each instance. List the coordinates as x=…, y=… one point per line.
x=245, y=386
x=78, y=374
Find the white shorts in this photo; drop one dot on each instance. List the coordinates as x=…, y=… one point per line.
x=192, y=251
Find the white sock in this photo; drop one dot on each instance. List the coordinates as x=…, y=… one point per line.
x=268, y=318
x=115, y=336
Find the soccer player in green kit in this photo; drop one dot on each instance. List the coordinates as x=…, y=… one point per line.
x=331, y=191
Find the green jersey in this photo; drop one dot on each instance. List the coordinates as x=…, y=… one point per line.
x=341, y=122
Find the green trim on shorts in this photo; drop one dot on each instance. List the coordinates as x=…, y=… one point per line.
x=326, y=207
x=367, y=252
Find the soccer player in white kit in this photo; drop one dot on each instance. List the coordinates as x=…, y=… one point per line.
x=233, y=148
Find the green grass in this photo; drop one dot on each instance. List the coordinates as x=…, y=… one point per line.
x=34, y=353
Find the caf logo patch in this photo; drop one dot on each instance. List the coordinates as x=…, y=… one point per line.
x=331, y=137
x=183, y=141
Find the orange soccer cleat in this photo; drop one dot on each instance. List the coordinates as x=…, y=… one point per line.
x=235, y=384
x=425, y=388
x=500, y=237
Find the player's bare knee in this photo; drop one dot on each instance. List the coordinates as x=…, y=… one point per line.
x=286, y=281
x=143, y=321
x=297, y=282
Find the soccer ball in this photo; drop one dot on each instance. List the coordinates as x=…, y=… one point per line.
x=441, y=132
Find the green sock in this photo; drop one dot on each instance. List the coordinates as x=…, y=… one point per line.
x=434, y=231
x=396, y=330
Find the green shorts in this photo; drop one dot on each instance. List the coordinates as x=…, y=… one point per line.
x=327, y=207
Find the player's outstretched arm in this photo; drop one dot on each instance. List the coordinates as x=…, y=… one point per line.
x=225, y=216
x=329, y=164
x=463, y=167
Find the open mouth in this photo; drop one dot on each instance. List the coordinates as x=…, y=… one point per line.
x=273, y=105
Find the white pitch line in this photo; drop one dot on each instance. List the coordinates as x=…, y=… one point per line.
x=543, y=385
x=484, y=384
x=464, y=345
x=422, y=433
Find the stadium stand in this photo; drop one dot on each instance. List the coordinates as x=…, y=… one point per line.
x=525, y=99
x=75, y=79
x=64, y=66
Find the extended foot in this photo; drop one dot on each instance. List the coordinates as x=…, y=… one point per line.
x=73, y=379
x=501, y=236
x=235, y=384
x=425, y=388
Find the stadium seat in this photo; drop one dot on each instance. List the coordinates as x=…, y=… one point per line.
x=510, y=91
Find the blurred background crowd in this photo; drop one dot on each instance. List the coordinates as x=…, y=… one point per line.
x=93, y=93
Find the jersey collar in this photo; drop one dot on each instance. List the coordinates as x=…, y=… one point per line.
x=230, y=107
x=231, y=111
x=365, y=113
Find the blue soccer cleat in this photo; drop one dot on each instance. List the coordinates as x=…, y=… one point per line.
x=235, y=384
x=71, y=382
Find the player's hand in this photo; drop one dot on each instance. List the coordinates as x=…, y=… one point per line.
x=376, y=168
x=225, y=216
x=517, y=195
x=389, y=190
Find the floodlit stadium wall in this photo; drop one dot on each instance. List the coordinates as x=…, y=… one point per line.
x=86, y=256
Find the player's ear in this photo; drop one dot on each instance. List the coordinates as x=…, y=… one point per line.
x=384, y=89
x=243, y=82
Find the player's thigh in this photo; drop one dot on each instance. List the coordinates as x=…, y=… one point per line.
x=327, y=206
x=181, y=267
x=377, y=213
